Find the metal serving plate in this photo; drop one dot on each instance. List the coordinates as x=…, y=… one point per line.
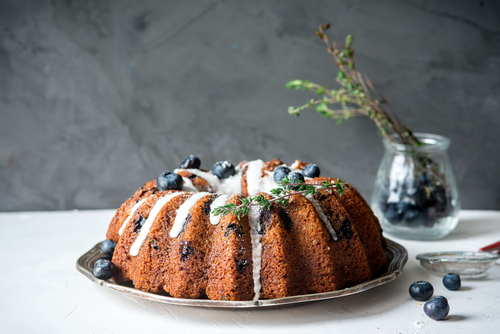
x=397, y=256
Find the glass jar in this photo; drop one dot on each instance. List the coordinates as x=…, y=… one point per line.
x=415, y=195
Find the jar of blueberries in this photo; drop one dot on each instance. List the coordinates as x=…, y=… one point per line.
x=415, y=195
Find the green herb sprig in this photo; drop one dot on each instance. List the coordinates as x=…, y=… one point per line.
x=282, y=196
x=356, y=96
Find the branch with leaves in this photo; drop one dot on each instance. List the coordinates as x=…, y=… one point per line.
x=282, y=196
x=356, y=97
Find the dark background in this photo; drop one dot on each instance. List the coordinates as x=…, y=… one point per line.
x=98, y=97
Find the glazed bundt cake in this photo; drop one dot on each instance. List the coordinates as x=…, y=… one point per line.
x=169, y=240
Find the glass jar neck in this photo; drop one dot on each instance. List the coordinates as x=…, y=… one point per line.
x=431, y=143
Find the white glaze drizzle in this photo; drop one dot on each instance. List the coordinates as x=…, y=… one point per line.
x=267, y=182
x=231, y=185
x=254, y=219
x=182, y=213
x=254, y=176
x=210, y=177
x=295, y=165
x=136, y=246
x=188, y=185
x=325, y=220
x=219, y=201
x=132, y=211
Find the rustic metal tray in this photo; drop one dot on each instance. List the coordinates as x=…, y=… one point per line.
x=397, y=256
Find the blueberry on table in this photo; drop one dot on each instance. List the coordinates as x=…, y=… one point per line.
x=169, y=181
x=280, y=172
x=421, y=290
x=108, y=247
x=224, y=169
x=295, y=177
x=103, y=268
x=190, y=162
x=437, y=308
x=452, y=281
x=311, y=170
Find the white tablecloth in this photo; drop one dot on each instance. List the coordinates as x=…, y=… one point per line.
x=42, y=292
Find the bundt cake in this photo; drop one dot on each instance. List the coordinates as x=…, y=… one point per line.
x=169, y=240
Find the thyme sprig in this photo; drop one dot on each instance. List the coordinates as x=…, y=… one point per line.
x=282, y=196
x=357, y=96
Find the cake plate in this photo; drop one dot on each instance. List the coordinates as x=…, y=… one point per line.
x=397, y=256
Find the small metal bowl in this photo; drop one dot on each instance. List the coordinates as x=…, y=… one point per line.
x=462, y=263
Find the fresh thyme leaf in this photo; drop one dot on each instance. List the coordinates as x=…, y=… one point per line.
x=282, y=196
x=357, y=95
x=340, y=187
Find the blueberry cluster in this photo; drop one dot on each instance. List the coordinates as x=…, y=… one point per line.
x=421, y=203
x=437, y=308
x=222, y=169
x=310, y=170
x=173, y=181
x=103, y=267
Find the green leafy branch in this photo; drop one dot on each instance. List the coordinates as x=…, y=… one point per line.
x=282, y=196
x=356, y=96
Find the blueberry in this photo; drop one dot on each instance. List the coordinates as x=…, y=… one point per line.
x=139, y=223
x=411, y=214
x=103, y=268
x=190, y=162
x=452, y=281
x=439, y=194
x=421, y=290
x=392, y=215
x=295, y=177
x=311, y=170
x=280, y=172
x=224, y=169
x=169, y=181
x=437, y=308
x=404, y=205
x=424, y=179
x=383, y=205
x=108, y=247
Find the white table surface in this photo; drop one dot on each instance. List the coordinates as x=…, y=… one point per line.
x=42, y=292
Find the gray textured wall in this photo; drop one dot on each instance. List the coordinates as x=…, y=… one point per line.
x=98, y=97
